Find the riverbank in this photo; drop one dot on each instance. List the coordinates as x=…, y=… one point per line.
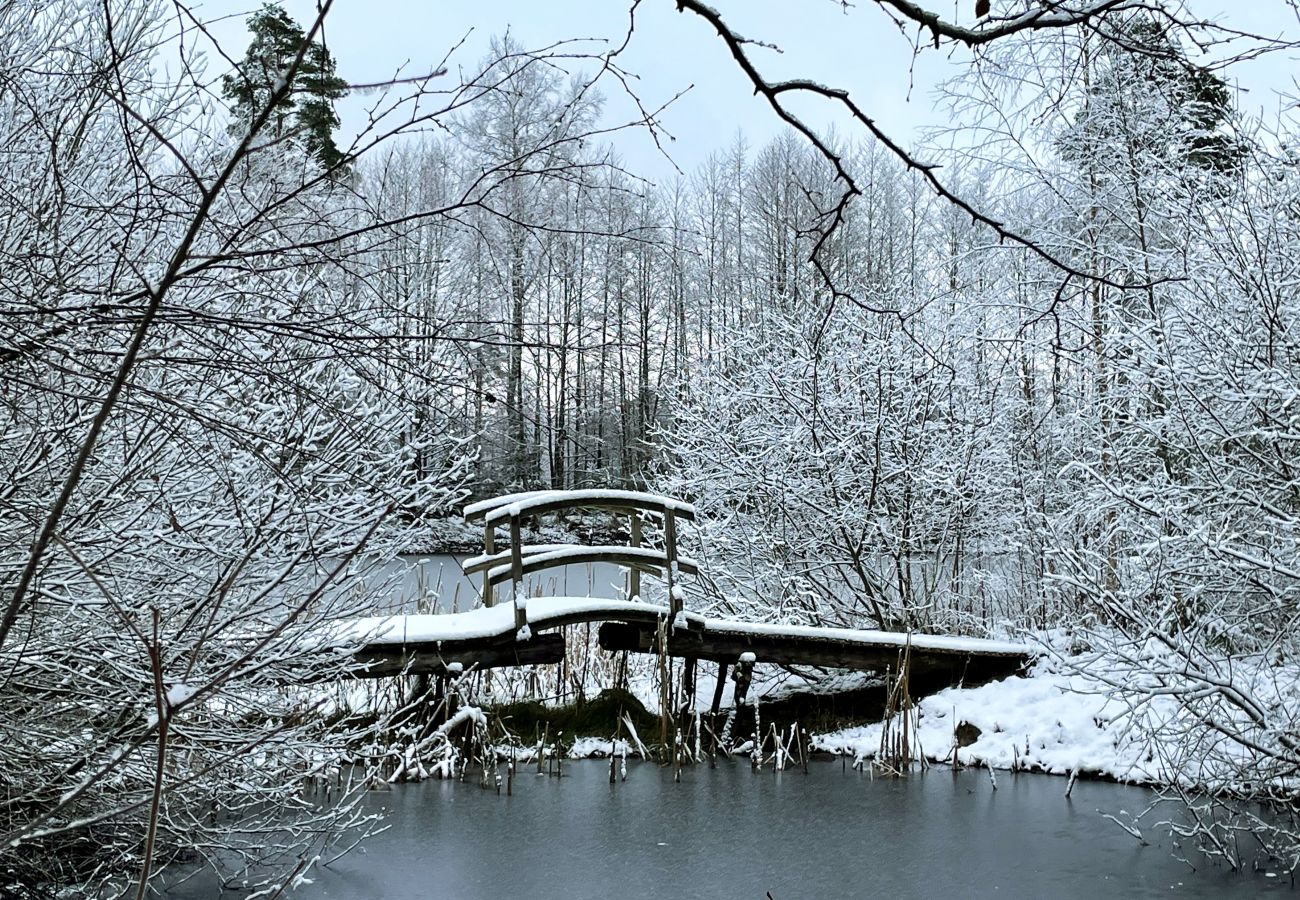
x=1210, y=725
x=1076, y=712
x=1051, y=720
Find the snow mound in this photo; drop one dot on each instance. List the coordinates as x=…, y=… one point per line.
x=1051, y=721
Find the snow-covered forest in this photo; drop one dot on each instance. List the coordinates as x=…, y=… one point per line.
x=1036, y=377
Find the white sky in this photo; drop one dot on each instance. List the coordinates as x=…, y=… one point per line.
x=859, y=49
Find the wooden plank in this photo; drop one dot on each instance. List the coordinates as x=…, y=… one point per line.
x=475, y=564
x=385, y=661
x=801, y=650
x=613, y=553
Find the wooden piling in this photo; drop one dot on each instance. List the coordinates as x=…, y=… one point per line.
x=517, y=571
x=717, y=689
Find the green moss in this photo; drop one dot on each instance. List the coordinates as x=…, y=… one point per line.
x=598, y=716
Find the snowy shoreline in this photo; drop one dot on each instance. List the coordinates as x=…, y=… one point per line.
x=1052, y=720
x=1048, y=721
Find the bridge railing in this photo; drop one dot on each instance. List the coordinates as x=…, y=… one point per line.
x=519, y=560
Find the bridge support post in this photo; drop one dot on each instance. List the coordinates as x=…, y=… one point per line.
x=517, y=574
x=489, y=548
x=717, y=689
x=634, y=574
x=670, y=572
x=688, y=693
x=743, y=674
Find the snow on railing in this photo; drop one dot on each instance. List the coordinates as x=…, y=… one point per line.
x=476, y=510
x=486, y=561
x=499, y=509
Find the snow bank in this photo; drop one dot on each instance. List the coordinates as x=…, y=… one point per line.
x=582, y=748
x=1051, y=721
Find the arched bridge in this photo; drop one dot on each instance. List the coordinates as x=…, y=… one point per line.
x=520, y=630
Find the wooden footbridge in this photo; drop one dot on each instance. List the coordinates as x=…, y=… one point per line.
x=523, y=630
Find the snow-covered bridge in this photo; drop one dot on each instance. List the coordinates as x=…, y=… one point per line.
x=523, y=631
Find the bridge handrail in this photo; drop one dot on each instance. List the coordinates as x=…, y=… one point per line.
x=512, y=508
x=646, y=559
x=499, y=510
x=475, y=564
x=650, y=558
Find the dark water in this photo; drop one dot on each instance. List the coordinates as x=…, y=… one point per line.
x=731, y=833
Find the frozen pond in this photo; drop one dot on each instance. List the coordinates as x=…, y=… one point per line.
x=728, y=832
x=434, y=582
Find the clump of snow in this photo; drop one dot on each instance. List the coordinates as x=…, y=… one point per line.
x=179, y=693
x=597, y=748
x=460, y=717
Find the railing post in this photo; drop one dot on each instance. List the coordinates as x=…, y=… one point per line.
x=517, y=571
x=670, y=551
x=489, y=548
x=634, y=574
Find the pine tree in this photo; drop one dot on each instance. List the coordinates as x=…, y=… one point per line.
x=1147, y=98
x=308, y=108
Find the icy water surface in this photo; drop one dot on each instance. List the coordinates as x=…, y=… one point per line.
x=434, y=582
x=731, y=833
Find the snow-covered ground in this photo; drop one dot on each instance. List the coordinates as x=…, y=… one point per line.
x=1051, y=721
x=1150, y=717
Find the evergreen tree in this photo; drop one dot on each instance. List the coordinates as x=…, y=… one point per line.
x=309, y=105
x=1147, y=99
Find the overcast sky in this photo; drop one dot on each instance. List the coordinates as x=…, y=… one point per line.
x=857, y=48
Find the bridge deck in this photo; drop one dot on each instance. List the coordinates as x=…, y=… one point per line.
x=487, y=637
